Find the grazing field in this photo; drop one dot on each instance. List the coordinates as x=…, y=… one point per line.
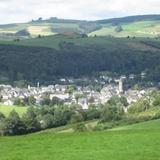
x=7, y=109
x=141, y=144
x=54, y=41
x=138, y=29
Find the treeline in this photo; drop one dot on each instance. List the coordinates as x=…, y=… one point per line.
x=19, y=63
x=51, y=116
x=108, y=115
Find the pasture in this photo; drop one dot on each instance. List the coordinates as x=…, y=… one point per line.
x=122, y=144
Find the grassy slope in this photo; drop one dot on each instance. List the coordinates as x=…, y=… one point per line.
x=113, y=145
x=7, y=109
x=53, y=42
x=139, y=29
x=150, y=125
x=38, y=28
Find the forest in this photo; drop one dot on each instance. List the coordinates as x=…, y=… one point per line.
x=38, y=64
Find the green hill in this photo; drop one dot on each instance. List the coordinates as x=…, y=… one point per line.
x=50, y=56
x=150, y=125
x=139, y=26
x=121, y=144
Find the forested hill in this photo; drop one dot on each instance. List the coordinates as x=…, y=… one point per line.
x=44, y=64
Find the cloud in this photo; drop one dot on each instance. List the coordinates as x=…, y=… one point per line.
x=25, y=10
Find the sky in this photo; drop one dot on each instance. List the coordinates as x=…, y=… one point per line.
x=12, y=11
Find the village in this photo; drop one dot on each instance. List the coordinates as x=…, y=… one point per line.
x=70, y=94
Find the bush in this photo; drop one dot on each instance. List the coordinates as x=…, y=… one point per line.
x=139, y=106
x=47, y=121
x=80, y=127
x=12, y=125
x=2, y=116
x=77, y=117
x=110, y=113
x=30, y=121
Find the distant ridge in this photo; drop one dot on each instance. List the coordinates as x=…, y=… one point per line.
x=129, y=19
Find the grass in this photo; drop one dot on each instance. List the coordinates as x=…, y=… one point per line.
x=150, y=125
x=53, y=41
x=7, y=109
x=125, y=144
x=38, y=28
x=138, y=29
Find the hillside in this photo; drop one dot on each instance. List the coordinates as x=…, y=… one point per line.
x=139, y=26
x=48, y=57
x=128, y=143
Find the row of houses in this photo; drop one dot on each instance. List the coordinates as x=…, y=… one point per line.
x=83, y=96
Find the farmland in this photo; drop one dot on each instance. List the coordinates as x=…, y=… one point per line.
x=128, y=144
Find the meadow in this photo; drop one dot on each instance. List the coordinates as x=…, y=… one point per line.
x=123, y=144
x=138, y=29
x=7, y=109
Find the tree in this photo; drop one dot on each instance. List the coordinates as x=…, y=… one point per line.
x=19, y=102
x=77, y=117
x=93, y=112
x=71, y=89
x=47, y=121
x=31, y=100
x=139, y=106
x=111, y=112
x=45, y=101
x=56, y=101
x=156, y=101
x=30, y=121
x=2, y=116
x=12, y=125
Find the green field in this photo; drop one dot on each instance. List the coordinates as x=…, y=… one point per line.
x=7, y=109
x=138, y=29
x=141, y=144
x=53, y=42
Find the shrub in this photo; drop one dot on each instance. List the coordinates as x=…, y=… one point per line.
x=80, y=127
x=12, y=125
x=30, y=121
x=110, y=112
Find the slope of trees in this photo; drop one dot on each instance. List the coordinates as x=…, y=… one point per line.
x=18, y=63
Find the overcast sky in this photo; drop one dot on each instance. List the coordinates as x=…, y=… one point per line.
x=25, y=10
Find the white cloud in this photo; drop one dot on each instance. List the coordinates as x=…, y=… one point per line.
x=25, y=10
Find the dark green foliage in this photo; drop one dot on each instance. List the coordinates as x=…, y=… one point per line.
x=30, y=121
x=43, y=65
x=93, y=112
x=47, y=121
x=19, y=102
x=12, y=125
x=77, y=117
x=139, y=106
x=2, y=116
x=80, y=127
x=111, y=112
x=56, y=101
x=62, y=115
x=45, y=101
x=156, y=101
